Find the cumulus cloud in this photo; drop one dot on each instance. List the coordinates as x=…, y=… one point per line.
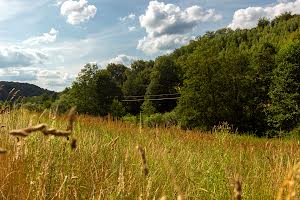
x=123, y=59
x=120, y=59
x=14, y=74
x=59, y=2
x=14, y=56
x=54, y=78
x=166, y=22
x=161, y=18
x=77, y=11
x=162, y=43
x=131, y=16
x=248, y=17
x=51, y=79
x=42, y=39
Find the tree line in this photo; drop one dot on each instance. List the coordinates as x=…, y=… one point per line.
x=249, y=78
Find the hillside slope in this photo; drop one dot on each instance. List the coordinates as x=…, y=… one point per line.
x=26, y=89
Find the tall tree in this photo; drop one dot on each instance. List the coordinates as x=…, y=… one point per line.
x=117, y=73
x=165, y=77
x=106, y=91
x=284, y=112
x=83, y=89
x=138, y=79
x=197, y=105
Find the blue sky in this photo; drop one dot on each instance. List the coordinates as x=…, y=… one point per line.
x=47, y=42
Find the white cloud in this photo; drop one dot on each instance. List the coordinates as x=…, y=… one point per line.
x=131, y=28
x=162, y=43
x=248, y=17
x=161, y=18
x=166, y=22
x=51, y=79
x=59, y=2
x=131, y=16
x=43, y=39
x=15, y=74
x=120, y=59
x=77, y=11
x=54, y=78
x=14, y=56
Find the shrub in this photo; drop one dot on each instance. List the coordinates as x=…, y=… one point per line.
x=154, y=120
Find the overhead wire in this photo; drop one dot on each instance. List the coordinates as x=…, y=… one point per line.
x=161, y=99
x=152, y=95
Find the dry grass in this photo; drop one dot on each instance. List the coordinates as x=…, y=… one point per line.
x=100, y=161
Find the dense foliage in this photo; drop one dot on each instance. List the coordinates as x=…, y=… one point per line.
x=248, y=78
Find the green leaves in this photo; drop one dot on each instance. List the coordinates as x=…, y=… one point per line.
x=284, y=113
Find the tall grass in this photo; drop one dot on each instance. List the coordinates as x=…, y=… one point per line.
x=105, y=163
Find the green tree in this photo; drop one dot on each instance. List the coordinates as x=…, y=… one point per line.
x=117, y=109
x=138, y=79
x=263, y=22
x=117, y=73
x=83, y=90
x=106, y=91
x=197, y=106
x=165, y=77
x=148, y=108
x=283, y=112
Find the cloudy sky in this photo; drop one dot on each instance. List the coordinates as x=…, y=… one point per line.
x=46, y=42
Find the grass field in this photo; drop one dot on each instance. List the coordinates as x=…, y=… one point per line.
x=106, y=164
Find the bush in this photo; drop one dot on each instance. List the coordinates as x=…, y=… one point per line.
x=170, y=119
x=33, y=107
x=131, y=119
x=154, y=120
x=167, y=119
x=117, y=109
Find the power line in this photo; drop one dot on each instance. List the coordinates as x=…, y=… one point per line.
x=137, y=100
x=153, y=95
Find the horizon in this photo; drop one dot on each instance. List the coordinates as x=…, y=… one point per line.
x=59, y=37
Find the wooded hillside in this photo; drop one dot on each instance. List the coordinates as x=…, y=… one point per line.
x=248, y=78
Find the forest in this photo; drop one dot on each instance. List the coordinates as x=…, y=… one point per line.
x=248, y=78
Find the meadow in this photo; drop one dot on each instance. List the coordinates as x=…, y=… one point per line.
x=115, y=160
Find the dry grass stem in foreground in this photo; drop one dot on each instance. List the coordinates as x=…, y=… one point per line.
x=12, y=90
x=58, y=133
x=71, y=119
x=43, y=128
x=14, y=95
x=144, y=161
x=4, y=110
x=26, y=131
x=3, y=151
x=237, y=189
x=74, y=143
x=289, y=183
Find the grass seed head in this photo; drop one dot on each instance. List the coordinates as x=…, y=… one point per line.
x=71, y=119
x=144, y=160
x=20, y=133
x=74, y=144
x=39, y=127
x=12, y=90
x=58, y=133
x=237, y=189
x=3, y=151
x=289, y=183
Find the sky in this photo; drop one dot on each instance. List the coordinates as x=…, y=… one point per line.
x=47, y=42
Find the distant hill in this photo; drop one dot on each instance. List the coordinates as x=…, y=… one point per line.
x=25, y=89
